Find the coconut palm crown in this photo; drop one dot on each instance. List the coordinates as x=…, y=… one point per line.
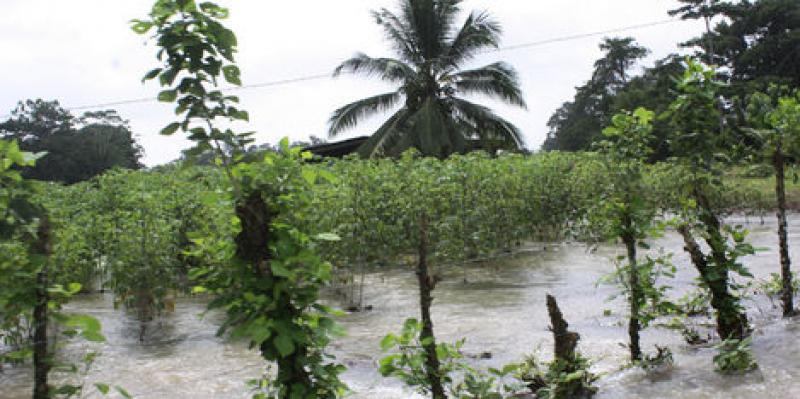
x=430, y=49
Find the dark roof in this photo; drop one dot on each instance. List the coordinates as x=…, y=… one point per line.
x=338, y=149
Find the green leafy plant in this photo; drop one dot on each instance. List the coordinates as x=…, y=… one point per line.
x=778, y=128
x=558, y=379
x=460, y=380
x=698, y=138
x=734, y=357
x=628, y=215
x=267, y=278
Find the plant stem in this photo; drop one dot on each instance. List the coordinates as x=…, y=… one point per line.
x=41, y=357
x=787, y=294
x=635, y=288
x=426, y=285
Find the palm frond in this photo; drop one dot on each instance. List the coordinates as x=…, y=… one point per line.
x=351, y=114
x=498, y=80
x=430, y=23
x=429, y=129
x=386, y=136
x=479, y=32
x=387, y=69
x=485, y=124
x=399, y=34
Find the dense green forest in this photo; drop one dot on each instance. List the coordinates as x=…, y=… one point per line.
x=754, y=43
x=267, y=236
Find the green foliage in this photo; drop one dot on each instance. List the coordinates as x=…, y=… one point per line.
x=276, y=309
x=653, y=300
x=578, y=124
x=24, y=259
x=407, y=363
x=774, y=120
x=558, y=379
x=78, y=148
x=266, y=276
x=734, y=357
x=195, y=49
x=700, y=140
x=773, y=285
x=477, y=205
x=628, y=215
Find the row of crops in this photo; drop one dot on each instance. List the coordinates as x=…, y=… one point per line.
x=149, y=237
x=135, y=233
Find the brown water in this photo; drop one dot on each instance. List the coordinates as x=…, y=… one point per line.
x=501, y=310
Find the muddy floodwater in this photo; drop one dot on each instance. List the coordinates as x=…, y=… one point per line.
x=500, y=309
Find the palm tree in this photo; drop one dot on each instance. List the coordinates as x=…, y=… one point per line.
x=430, y=51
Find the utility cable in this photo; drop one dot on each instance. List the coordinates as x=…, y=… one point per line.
x=328, y=75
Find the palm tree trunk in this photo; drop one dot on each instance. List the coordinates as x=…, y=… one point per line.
x=787, y=294
x=426, y=285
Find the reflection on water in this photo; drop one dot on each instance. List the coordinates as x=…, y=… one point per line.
x=500, y=310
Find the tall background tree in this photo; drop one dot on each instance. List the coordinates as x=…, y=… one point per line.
x=431, y=50
x=77, y=148
x=578, y=123
x=758, y=42
x=755, y=43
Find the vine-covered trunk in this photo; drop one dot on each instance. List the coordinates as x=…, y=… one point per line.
x=41, y=357
x=731, y=322
x=292, y=369
x=426, y=285
x=252, y=245
x=787, y=293
x=635, y=295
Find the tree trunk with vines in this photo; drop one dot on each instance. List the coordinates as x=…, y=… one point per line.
x=731, y=323
x=635, y=295
x=252, y=245
x=787, y=292
x=427, y=283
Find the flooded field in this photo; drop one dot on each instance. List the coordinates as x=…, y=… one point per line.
x=500, y=309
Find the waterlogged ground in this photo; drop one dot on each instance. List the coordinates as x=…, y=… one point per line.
x=500, y=310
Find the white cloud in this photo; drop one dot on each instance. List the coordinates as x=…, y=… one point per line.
x=82, y=52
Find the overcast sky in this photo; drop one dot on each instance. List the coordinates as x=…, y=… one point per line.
x=81, y=52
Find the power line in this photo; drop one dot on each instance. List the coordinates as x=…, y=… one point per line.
x=328, y=75
x=584, y=35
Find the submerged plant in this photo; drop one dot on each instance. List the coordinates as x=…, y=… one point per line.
x=735, y=356
x=558, y=379
x=408, y=364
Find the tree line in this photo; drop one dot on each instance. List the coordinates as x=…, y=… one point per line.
x=754, y=44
